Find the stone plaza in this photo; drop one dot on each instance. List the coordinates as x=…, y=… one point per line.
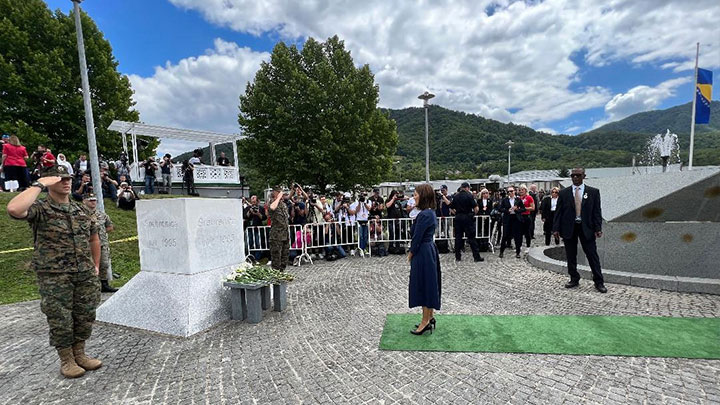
x=324, y=347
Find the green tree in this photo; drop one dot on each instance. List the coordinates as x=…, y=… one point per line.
x=311, y=116
x=40, y=80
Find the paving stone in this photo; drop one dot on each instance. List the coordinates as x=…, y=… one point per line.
x=323, y=348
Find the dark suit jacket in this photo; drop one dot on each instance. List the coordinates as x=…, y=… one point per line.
x=591, y=213
x=545, y=207
x=505, y=209
x=487, y=210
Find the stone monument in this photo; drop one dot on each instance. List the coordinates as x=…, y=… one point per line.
x=187, y=246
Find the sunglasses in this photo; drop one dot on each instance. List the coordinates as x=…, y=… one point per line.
x=576, y=175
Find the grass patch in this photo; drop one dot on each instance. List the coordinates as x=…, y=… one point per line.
x=18, y=281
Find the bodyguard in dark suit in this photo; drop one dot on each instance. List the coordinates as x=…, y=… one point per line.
x=511, y=208
x=578, y=216
x=465, y=208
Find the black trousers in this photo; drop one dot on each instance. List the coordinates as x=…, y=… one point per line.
x=590, y=248
x=513, y=231
x=465, y=226
x=527, y=229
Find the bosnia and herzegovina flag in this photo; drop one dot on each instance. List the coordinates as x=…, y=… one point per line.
x=703, y=95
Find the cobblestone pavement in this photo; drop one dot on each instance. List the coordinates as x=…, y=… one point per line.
x=324, y=347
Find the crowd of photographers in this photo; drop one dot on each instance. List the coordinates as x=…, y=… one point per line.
x=350, y=226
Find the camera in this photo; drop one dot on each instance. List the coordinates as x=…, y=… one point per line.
x=254, y=208
x=400, y=196
x=346, y=200
x=362, y=198
x=313, y=200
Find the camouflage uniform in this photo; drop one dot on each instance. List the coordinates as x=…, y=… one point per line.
x=279, y=244
x=69, y=288
x=103, y=221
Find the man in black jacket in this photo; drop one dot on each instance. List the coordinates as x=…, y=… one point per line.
x=465, y=208
x=578, y=215
x=511, y=208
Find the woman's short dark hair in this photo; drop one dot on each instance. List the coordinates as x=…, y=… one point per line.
x=426, y=197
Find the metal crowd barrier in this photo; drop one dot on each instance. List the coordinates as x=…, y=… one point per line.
x=309, y=238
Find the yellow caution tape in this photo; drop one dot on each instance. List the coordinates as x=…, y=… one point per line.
x=29, y=248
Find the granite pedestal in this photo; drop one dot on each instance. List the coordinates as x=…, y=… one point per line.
x=187, y=246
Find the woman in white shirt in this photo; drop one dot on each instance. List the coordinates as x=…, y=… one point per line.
x=359, y=211
x=547, y=214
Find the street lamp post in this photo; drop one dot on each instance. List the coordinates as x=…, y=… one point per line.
x=509, y=144
x=89, y=121
x=425, y=97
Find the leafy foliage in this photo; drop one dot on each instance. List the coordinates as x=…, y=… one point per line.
x=311, y=117
x=40, y=90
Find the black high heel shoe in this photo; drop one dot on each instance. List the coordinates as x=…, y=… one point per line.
x=432, y=321
x=428, y=327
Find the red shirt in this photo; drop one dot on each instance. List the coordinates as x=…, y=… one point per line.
x=15, y=155
x=527, y=201
x=49, y=156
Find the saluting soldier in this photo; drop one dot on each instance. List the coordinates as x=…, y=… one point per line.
x=66, y=260
x=279, y=244
x=105, y=225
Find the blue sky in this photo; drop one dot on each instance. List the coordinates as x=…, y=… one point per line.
x=564, y=66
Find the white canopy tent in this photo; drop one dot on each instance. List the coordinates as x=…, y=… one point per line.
x=136, y=129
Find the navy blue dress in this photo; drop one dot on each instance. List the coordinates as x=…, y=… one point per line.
x=425, y=285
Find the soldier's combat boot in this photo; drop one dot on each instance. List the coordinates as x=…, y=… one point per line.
x=82, y=359
x=105, y=286
x=68, y=367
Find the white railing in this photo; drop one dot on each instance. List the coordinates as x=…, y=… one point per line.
x=203, y=174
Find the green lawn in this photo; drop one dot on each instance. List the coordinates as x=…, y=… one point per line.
x=17, y=280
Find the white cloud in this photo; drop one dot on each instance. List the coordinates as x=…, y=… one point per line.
x=548, y=130
x=198, y=92
x=639, y=99
x=514, y=65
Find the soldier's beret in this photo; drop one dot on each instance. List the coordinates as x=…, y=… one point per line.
x=55, y=170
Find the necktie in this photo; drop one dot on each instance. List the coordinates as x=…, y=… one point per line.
x=578, y=202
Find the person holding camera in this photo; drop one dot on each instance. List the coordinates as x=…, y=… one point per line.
x=188, y=172
x=122, y=168
x=443, y=213
x=332, y=231
x=377, y=204
x=126, y=197
x=465, y=207
x=166, y=173
x=299, y=207
x=84, y=186
x=512, y=208
x=109, y=185
x=279, y=228
x=360, y=212
x=342, y=216
x=395, y=212
x=254, y=216
x=150, y=168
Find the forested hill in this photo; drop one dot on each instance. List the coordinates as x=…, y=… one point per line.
x=676, y=119
x=466, y=146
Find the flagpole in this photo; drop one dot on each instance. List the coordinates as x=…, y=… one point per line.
x=694, y=100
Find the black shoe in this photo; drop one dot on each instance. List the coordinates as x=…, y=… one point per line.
x=479, y=259
x=105, y=287
x=601, y=288
x=432, y=321
x=428, y=327
x=517, y=255
x=501, y=255
x=572, y=284
x=457, y=260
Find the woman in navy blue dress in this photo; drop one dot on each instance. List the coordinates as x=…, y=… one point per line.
x=424, y=261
